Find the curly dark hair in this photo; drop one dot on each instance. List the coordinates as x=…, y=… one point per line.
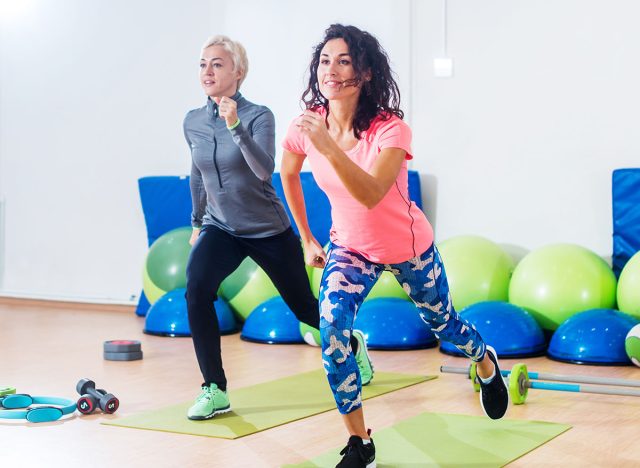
x=379, y=96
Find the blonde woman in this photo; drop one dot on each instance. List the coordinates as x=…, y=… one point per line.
x=236, y=214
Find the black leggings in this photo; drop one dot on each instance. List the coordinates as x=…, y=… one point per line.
x=215, y=255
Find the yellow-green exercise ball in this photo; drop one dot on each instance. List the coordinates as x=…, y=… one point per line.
x=310, y=335
x=151, y=290
x=629, y=287
x=387, y=286
x=257, y=290
x=477, y=270
x=632, y=345
x=557, y=281
x=166, y=261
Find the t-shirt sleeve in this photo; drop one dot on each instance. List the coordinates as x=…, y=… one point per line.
x=395, y=133
x=294, y=140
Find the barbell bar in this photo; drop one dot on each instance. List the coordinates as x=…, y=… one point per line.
x=519, y=383
x=552, y=377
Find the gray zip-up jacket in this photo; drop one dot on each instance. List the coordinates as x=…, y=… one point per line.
x=231, y=171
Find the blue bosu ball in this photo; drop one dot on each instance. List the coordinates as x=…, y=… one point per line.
x=594, y=336
x=393, y=323
x=226, y=320
x=168, y=316
x=511, y=330
x=272, y=322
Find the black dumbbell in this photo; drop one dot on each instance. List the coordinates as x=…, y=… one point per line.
x=90, y=398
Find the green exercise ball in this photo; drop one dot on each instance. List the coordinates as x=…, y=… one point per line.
x=629, y=287
x=477, y=270
x=632, y=345
x=316, y=275
x=387, y=286
x=256, y=290
x=557, y=281
x=310, y=335
x=166, y=262
x=237, y=280
x=151, y=291
x=309, y=269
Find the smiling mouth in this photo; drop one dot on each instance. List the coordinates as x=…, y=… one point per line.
x=209, y=83
x=340, y=85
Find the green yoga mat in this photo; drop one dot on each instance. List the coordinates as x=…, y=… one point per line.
x=263, y=406
x=452, y=440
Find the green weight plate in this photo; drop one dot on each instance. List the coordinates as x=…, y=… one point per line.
x=473, y=375
x=518, y=380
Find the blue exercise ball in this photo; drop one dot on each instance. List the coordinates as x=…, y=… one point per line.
x=272, y=322
x=168, y=316
x=594, y=336
x=393, y=323
x=511, y=330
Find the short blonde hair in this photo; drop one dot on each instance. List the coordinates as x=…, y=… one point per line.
x=237, y=52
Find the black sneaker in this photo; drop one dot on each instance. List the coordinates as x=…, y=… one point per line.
x=358, y=455
x=494, y=396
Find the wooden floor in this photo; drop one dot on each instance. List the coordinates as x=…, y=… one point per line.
x=47, y=348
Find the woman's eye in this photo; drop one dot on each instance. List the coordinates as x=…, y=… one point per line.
x=344, y=62
x=324, y=62
x=202, y=65
x=217, y=65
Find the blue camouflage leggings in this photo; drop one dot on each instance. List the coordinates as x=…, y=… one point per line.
x=347, y=279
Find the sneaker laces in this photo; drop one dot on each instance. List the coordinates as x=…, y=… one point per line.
x=205, y=395
x=354, y=445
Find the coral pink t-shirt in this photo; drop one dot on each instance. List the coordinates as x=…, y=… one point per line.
x=393, y=231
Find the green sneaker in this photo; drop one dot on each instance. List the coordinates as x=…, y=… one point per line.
x=362, y=358
x=210, y=402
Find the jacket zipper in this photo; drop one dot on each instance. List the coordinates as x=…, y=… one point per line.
x=215, y=149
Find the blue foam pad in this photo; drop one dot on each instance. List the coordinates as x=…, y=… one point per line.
x=318, y=207
x=166, y=204
x=626, y=216
x=143, y=305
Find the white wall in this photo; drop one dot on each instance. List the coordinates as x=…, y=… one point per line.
x=92, y=96
x=518, y=146
x=542, y=107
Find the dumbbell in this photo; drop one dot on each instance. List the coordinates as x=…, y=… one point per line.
x=91, y=398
